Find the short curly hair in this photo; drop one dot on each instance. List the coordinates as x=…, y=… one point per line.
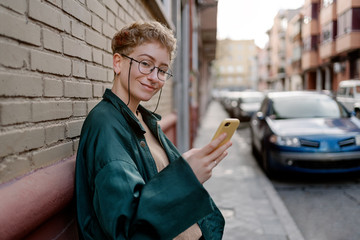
x=138, y=33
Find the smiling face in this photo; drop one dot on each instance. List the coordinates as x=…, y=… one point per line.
x=142, y=87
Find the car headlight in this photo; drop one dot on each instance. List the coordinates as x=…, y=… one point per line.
x=285, y=141
x=357, y=140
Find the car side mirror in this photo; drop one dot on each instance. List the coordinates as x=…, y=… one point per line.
x=260, y=116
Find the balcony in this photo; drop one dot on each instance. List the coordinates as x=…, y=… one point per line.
x=310, y=28
x=348, y=42
x=327, y=50
x=345, y=5
x=328, y=14
x=309, y=60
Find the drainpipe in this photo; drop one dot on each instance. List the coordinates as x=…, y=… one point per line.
x=182, y=76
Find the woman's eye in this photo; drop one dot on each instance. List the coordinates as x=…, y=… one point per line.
x=146, y=64
x=162, y=71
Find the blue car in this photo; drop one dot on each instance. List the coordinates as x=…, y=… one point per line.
x=305, y=132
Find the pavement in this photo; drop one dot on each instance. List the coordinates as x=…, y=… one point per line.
x=251, y=206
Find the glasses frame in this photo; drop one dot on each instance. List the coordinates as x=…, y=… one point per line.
x=168, y=72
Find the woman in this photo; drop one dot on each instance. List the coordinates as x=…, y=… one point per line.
x=131, y=181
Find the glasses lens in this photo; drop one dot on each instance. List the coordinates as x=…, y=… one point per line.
x=146, y=67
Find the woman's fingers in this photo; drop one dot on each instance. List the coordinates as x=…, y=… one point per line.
x=214, y=144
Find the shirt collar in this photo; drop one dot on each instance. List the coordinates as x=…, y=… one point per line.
x=148, y=117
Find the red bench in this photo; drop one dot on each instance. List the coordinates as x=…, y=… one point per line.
x=40, y=205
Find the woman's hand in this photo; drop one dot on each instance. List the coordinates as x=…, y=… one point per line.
x=203, y=160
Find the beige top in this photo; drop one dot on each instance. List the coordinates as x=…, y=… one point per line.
x=161, y=161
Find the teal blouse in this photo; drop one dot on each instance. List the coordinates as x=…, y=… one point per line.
x=120, y=194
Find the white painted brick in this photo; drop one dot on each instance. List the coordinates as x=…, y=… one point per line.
x=13, y=166
x=76, y=144
x=13, y=55
x=54, y=133
x=17, y=141
x=108, y=30
x=14, y=112
x=98, y=90
x=79, y=108
x=55, y=2
x=52, y=40
x=73, y=128
x=78, y=11
x=111, y=18
x=77, y=49
x=97, y=55
x=78, y=69
x=91, y=104
x=18, y=6
x=95, y=72
x=52, y=155
x=53, y=87
x=110, y=75
x=20, y=85
x=119, y=23
x=108, y=60
x=112, y=5
x=49, y=15
x=50, y=63
x=96, y=23
x=18, y=28
x=95, y=39
x=78, y=30
x=77, y=89
x=51, y=110
x=96, y=7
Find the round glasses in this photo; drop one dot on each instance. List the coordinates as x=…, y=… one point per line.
x=146, y=67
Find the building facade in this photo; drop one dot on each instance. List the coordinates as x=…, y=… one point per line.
x=321, y=42
x=235, y=61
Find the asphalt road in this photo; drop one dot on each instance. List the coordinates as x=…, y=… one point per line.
x=323, y=208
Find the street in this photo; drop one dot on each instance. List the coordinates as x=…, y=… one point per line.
x=323, y=208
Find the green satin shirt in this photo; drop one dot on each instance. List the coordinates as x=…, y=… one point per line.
x=120, y=194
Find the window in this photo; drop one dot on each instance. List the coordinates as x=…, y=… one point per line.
x=311, y=12
x=310, y=43
x=239, y=69
x=328, y=32
x=230, y=69
x=349, y=21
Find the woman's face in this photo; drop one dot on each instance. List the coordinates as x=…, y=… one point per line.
x=142, y=86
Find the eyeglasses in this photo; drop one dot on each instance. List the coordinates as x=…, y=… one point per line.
x=146, y=67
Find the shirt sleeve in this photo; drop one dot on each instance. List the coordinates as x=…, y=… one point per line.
x=129, y=208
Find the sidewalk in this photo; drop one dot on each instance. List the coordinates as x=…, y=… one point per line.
x=251, y=206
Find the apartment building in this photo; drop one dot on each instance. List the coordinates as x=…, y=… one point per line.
x=235, y=63
x=322, y=42
x=278, y=50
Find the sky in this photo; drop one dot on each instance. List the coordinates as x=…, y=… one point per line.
x=250, y=19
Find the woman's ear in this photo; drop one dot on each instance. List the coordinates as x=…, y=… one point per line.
x=117, y=60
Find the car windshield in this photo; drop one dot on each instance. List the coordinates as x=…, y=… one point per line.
x=307, y=107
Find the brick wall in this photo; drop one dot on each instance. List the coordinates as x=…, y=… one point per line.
x=55, y=64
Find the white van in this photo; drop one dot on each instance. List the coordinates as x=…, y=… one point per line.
x=349, y=94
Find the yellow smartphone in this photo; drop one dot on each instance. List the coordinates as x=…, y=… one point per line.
x=229, y=126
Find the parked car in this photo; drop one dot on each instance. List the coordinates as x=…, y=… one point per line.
x=305, y=132
x=349, y=94
x=248, y=102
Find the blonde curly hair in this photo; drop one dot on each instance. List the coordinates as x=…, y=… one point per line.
x=138, y=33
